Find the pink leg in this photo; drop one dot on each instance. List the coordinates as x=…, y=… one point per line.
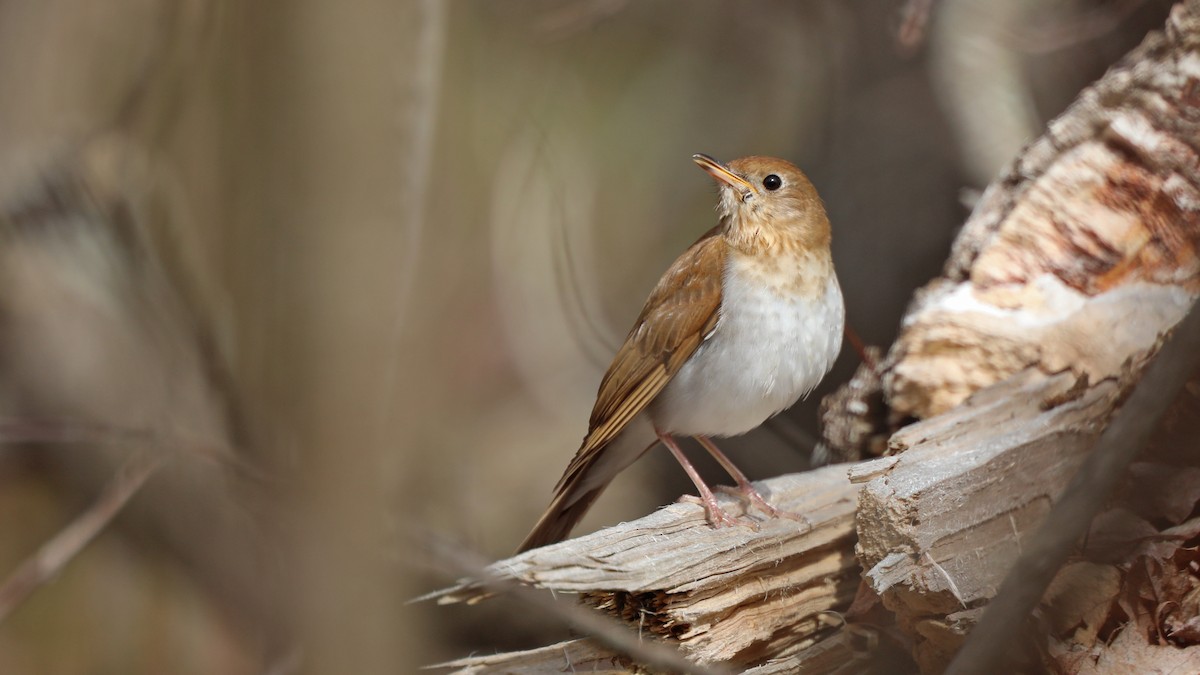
x=744, y=488
x=717, y=517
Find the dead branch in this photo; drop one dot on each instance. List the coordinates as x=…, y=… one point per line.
x=843, y=653
x=54, y=555
x=109, y=342
x=612, y=640
x=730, y=595
x=941, y=523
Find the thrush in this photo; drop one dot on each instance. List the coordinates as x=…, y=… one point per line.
x=742, y=325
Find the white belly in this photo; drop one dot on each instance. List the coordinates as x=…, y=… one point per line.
x=767, y=351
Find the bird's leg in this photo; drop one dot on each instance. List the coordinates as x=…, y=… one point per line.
x=859, y=346
x=744, y=488
x=717, y=517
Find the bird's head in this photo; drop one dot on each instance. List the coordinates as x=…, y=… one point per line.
x=767, y=203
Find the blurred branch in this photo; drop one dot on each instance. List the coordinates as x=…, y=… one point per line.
x=1089, y=24
x=53, y=556
x=914, y=21
x=156, y=90
x=843, y=653
x=19, y=431
x=421, y=77
x=981, y=83
x=578, y=16
x=422, y=73
x=108, y=343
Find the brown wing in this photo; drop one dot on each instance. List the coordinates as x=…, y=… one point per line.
x=680, y=314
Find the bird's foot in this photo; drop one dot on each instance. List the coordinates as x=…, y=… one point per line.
x=718, y=517
x=753, y=498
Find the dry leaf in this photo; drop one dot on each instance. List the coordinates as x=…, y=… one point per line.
x=1166, y=544
x=1131, y=653
x=1080, y=599
x=1116, y=534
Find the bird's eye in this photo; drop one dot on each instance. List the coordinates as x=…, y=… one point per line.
x=772, y=182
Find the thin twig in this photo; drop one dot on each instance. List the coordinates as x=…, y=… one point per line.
x=859, y=346
x=56, y=553
x=1088, y=25
x=17, y=430
x=914, y=24
x=423, y=72
x=422, y=78
x=989, y=646
x=573, y=18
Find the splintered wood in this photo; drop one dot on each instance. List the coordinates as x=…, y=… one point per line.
x=842, y=653
x=1083, y=253
x=727, y=595
x=586, y=656
x=941, y=524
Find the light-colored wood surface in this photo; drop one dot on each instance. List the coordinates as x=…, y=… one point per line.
x=730, y=594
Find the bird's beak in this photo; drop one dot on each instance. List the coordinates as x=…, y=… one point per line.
x=722, y=173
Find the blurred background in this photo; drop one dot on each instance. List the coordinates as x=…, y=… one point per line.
x=351, y=273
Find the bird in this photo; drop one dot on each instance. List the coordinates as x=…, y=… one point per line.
x=743, y=324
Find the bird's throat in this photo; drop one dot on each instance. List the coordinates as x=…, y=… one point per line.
x=751, y=235
x=784, y=267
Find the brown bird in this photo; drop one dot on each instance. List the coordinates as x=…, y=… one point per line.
x=744, y=323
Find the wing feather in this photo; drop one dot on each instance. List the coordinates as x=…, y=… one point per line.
x=679, y=315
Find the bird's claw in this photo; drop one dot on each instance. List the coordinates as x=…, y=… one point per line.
x=718, y=517
x=755, y=499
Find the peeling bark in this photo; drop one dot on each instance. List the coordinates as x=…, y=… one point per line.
x=1088, y=244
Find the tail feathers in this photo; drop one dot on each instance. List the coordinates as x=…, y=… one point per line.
x=591, y=472
x=563, y=514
